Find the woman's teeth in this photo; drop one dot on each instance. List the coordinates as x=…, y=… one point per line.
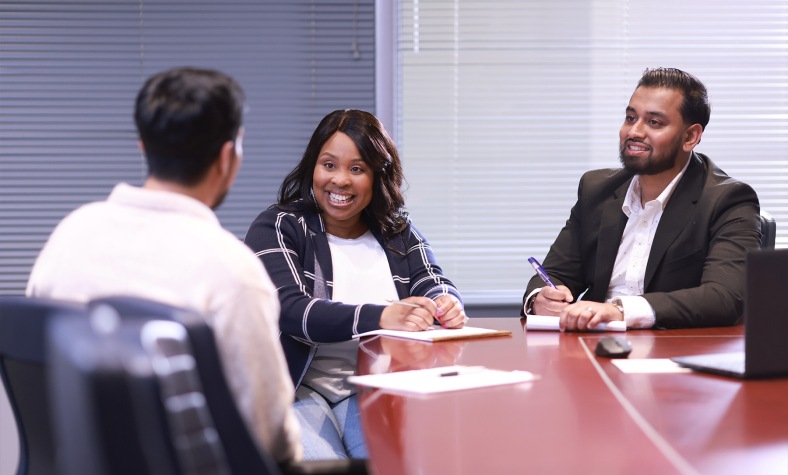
x=340, y=198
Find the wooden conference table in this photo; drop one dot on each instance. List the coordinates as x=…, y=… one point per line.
x=584, y=416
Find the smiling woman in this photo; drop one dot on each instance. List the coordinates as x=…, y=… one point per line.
x=338, y=245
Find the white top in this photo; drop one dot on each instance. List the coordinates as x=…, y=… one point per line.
x=361, y=274
x=629, y=269
x=170, y=248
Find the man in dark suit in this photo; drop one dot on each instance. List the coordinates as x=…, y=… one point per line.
x=660, y=242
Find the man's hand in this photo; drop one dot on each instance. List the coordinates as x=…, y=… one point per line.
x=551, y=302
x=401, y=317
x=452, y=314
x=585, y=315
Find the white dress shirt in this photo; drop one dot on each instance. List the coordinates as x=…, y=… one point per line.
x=170, y=248
x=361, y=274
x=629, y=270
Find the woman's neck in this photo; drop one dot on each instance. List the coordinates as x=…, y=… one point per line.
x=345, y=230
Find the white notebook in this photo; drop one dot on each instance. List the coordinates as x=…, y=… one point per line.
x=434, y=334
x=545, y=323
x=444, y=379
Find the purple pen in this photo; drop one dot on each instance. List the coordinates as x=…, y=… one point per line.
x=540, y=270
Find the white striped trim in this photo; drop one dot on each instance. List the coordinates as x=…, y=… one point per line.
x=282, y=246
x=355, y=319
x=419, y=246
x=419, y=282
x=271, y=251
x=303, y=224
x=404, y=280
x=306, y=314
x=314, y=277
x=424, y=259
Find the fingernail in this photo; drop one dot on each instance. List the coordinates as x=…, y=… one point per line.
x=440, y=312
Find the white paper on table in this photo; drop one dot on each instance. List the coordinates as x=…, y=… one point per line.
x=438, y=334
x=649, y=365
x=426, y=381
x=546, y=323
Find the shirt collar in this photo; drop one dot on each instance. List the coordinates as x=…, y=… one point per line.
x=632, y=202
x=158, y=200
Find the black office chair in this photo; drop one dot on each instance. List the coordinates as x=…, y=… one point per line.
x=24, y=371
x=241, y=451
x=117, y=409
x=768, y=230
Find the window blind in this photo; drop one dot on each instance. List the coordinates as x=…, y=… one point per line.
x=504, y=104
x=69, y=73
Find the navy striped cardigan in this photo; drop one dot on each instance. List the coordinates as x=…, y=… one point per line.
x=294, y=249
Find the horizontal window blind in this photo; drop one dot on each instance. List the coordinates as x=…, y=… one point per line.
x=68, y=77
x=69, y=73
x=505, y=104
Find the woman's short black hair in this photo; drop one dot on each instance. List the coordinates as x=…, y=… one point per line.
x=184, y=116
x=385, y=212
x=695, y=109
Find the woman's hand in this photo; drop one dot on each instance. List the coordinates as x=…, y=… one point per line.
x=401, y=317
x=451, y=314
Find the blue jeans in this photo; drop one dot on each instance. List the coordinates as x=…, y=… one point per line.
x=329, y=431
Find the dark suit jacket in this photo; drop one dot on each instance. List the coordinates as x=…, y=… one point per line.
x=695, y=271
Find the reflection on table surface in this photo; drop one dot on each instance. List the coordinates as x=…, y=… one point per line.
x=571, y=421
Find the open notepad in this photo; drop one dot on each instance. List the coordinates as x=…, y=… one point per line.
x=434, y=334
x=438, y=380
x=541, y=322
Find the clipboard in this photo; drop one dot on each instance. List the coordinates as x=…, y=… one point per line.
x=434, y=335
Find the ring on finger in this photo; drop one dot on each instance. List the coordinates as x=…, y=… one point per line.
x=591, y=309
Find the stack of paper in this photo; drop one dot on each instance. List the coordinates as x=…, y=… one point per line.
x=434, y=334
x=541, y=322
x=438, y=380
x=649, y=365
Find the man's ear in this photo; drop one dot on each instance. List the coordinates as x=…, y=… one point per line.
x=692, y=137
x=226, y=158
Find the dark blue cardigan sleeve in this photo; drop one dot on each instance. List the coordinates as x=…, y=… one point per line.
x=280, y=238
x=426, y=277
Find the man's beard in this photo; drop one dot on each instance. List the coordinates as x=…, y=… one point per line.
x=220, y=199
x=651, y=164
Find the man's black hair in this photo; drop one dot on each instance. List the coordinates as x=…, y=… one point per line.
x=184, y=116
x=695, y=109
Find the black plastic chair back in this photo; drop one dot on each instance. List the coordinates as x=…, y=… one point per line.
x=23, y=369
x=242, y=453
x=106, y=403
x=768, y=231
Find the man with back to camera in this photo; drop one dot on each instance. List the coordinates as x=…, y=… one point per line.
x=163, y=242
x=662, y=241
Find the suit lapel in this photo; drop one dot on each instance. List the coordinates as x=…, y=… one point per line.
x=677, y=213
x=611, y=229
